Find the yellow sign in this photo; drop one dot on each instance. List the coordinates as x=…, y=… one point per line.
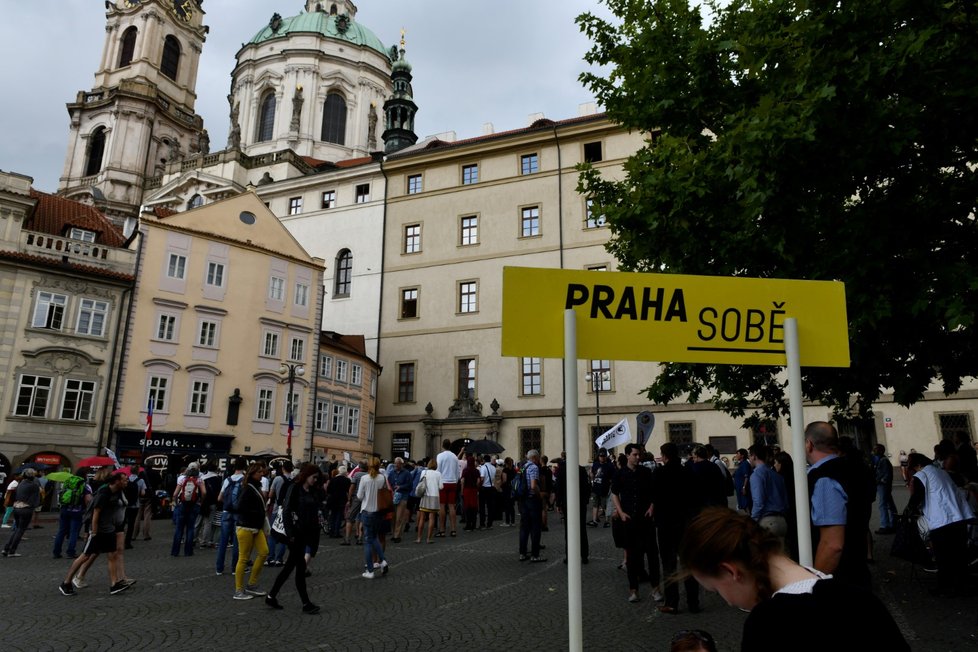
x=672, y=317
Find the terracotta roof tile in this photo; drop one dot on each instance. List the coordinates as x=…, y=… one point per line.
x=56, y=215
x=84, y=269
x=353, y=162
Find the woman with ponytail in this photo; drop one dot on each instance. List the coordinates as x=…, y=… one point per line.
x=730, y=554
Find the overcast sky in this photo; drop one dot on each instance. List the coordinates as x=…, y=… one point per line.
x=474, y=61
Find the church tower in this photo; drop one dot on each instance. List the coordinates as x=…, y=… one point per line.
x=400, y=109
x=138, y=120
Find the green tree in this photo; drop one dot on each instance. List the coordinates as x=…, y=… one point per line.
x=809, y=140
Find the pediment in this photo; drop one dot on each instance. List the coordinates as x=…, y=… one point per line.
x=177, y=193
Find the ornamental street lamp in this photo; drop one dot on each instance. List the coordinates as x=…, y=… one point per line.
x=292, y=370
x=597, y=380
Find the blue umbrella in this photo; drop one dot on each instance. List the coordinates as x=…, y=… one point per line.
x=31, y=465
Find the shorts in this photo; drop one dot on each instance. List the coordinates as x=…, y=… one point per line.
x=448, y=494
x=99, y=542
x=599, y=501
x=353, y=512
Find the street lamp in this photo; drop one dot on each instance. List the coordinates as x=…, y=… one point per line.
x=597, y=380
x=292, y=370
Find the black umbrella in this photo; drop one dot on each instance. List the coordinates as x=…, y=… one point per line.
x=484, y=447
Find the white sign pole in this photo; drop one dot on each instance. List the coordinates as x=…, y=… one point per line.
x=802, y=508
x=572, y=487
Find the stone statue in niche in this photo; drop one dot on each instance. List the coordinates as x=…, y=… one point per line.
x=234, y=137
x=297, y=102
x=372, y=128
x=276, y=22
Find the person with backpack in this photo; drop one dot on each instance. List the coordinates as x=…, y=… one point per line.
x=74, y=497
x=204, y=532
x=228, y=499
x=526, y=490
x=187, y=498
x=276, y=502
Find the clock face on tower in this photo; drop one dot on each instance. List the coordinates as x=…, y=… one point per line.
x=184, y=9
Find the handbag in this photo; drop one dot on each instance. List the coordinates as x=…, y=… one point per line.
x=385, y=499
x=422, y=487
x=907, y=543
x=278, y=525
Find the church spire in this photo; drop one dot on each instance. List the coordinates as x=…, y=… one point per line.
x=400, y=109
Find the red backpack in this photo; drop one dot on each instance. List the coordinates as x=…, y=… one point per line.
x=188, y=491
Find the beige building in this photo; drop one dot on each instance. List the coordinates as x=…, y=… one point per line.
x=346, y=399
x=66, y=279
x=226, y=300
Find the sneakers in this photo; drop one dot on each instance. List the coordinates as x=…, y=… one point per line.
x=79, y=583
x=537, y=560
x=272, y=602
x=12, y=554
x=252, y=589
x=119, y=587
x=657, y=596
x=368, y=575
x=241, y=595
x=633, y=597
x=310, y=608
x=128, y=582
x=384, y=567
x=67, y=589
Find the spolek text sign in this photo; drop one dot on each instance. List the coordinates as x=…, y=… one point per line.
x=672, y=317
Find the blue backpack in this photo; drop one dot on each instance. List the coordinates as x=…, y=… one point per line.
x=231, y=495
x=521, y=487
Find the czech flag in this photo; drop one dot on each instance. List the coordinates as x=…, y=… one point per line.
x=149, y=419
x=288, y=441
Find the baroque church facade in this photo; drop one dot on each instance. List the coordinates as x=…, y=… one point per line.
x=412, y=233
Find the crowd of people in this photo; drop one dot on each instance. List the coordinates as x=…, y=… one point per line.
x=668, y=515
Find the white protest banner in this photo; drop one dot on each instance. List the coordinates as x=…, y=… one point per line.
x=618, y=435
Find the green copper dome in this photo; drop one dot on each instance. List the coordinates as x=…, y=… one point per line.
x=317, y=22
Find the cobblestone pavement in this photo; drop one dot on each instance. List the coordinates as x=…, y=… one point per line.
x=470, y=589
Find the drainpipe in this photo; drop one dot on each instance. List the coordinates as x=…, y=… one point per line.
x=314, y=368
x=383, y=248
x=124, y=343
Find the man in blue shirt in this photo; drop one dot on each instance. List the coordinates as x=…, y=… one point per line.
x=770, y=498
x=531, y=509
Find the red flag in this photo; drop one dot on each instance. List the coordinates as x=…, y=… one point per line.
x=288, y=441
x=149, y=420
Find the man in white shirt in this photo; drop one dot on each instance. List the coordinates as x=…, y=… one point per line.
x=448, y=497
x=487, y=493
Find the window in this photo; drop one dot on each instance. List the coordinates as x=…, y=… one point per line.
x=91, y=317
x=176, y=266
x=96, y=148
x=353, y=421
x=597, y=268
x=215, y=274
x=409, y=303
x=414, y=184
x=322, y=413
x=530, y=221
x=266, y=120
x=329, y=199
x=529, y=164
x=166, y=328
x=592, y=152
x=295, y=205
x=297, y=351
x=405, y=382
x=325, y=366
x=195, y=202
x=337, y=424
x=470, y=174
x=468, y=296
x=341, y=368
x=530, y=439
x=157, y=393
x=78, y=399
x=49, y=311
x=466, y=378
x=469, y=230
x=276, y=288
x=412, y=238
x=592, y=221
x=334, y=119
x=356, y=374
x=600, y=376
x=128, y=47
x=373, y=385
x=199, y=395
x=208, y=334
x=344, y=273
x=532, y=373
x=955, y=425
x=301, y=294
x=362, y=193
x=263, y=406
x=170, y=63
x=291, y=407
x=270, y=345
x=32, y=396
x=680, y=432
x=82, y=234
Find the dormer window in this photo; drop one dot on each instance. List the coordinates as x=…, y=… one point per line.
x=82, y=234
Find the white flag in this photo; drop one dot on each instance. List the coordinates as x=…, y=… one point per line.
x=111, y=455
x=618, y=435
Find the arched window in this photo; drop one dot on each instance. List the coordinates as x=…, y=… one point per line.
x=96, y=147
x=195, y=201
x=334, y=119
x=266, y=119
x=171, y=57
x=344, y=273
x=128, y=47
